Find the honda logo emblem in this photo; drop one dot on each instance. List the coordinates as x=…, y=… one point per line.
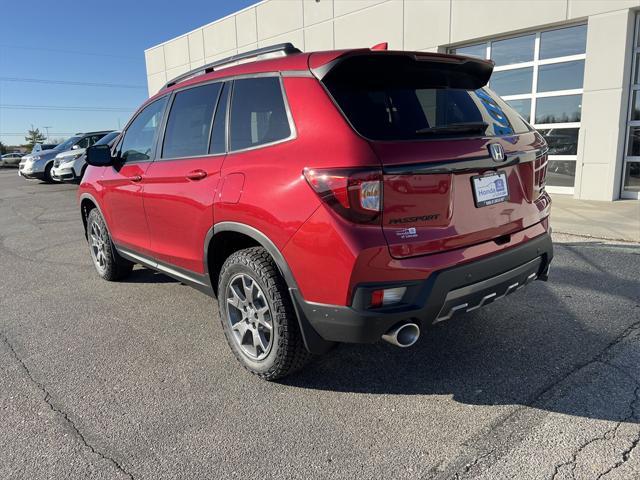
x=497, y=152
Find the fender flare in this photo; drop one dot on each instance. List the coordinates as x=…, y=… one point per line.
x=259, y=237
x=312, y=340
x=88, y=196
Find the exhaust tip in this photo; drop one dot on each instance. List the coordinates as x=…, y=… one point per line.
x=403, y=336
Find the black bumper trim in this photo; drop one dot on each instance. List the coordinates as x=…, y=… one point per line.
x=470, y=283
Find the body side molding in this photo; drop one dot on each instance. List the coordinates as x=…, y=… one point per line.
x=199, y=282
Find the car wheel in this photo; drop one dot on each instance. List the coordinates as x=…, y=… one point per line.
x=257, y=315
x=47, y=173
x=109, y=265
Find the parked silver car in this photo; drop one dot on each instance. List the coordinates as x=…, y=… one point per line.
x=10, y=159
x=39, y=165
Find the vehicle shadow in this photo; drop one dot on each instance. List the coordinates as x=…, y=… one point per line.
x=513, y=351
x=146, y=275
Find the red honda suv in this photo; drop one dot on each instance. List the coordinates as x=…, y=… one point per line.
x=341, y=196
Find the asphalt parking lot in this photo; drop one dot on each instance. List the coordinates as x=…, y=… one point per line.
x=135, y=380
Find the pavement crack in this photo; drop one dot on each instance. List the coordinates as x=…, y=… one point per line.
x=461, y=470
x=609, y=434
x=572, y=462
x=48, y=400
x=626, y=454
x=470, y=465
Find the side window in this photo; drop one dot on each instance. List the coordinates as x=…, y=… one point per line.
x=189, y=123
x=84, y=143
x=94, y=138
x=258, y=114
x=219, y=131
x=140, y=136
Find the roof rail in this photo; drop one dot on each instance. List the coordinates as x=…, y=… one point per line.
x=286, y=48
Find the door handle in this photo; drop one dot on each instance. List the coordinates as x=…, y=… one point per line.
x=136, y=178
x=196, y=175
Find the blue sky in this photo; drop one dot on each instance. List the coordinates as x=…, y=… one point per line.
x=85, y=42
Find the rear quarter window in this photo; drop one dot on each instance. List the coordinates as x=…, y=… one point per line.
x=258, y=113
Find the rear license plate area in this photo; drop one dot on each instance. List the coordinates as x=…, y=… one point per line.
x=489, y=189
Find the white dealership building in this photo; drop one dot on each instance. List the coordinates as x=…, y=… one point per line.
x=570, y=67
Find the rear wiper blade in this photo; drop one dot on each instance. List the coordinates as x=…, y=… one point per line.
x=456, y=127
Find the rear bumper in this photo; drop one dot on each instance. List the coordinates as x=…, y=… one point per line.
x=437, y=298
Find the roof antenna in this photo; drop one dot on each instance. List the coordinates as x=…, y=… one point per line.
x=381, y=46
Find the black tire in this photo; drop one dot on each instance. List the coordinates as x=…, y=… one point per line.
x=47, y=173
x=287, y=352
x=109, y=265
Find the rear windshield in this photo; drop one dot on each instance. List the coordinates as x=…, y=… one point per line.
x=408, y=107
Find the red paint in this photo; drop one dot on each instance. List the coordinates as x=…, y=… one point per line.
x=179, y=209
x=445, y=201
x=169, y=211
x=231, y=189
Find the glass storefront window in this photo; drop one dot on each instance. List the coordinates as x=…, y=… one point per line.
x=512, y=82
x=561, y=141
x=513, y=50
x=523, y=107
x=563, y=42
x=472, y=51
x=561, y=76
x=547, y=89
x=631, y=166
x=633, y=150
x=635, y=105
x=561, y=109
x=632, y=177
x=561, y=173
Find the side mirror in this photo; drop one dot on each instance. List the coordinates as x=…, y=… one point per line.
x=75, y=147
x=99, y=156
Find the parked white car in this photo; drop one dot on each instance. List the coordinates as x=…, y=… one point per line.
x=69, y=166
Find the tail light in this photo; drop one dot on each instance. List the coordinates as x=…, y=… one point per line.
x=540, y=174
x=354, y=194
x=387, y=296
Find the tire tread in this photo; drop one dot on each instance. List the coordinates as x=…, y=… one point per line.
x=291, y=352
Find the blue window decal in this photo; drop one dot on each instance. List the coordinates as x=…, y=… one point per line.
x=501, y=125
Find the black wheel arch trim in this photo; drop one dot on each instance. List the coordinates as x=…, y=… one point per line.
x=259, y=237
x=88, y=196
x=312, y=340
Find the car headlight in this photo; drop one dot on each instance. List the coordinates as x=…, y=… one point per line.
x=36, y=158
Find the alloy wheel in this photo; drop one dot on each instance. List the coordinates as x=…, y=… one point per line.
x=98, y=241
x=249, y=317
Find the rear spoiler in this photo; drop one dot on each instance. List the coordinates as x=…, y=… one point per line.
x=397, y=67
